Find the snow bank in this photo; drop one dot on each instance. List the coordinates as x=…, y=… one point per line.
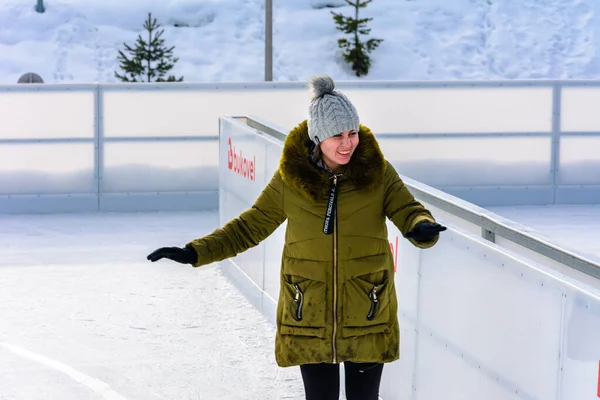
x=223, y=40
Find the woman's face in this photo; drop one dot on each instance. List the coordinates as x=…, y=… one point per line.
x=337, y=150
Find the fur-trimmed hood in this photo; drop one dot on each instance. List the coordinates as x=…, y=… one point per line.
x=364, y=171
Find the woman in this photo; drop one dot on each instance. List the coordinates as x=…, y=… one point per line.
x=337, y=302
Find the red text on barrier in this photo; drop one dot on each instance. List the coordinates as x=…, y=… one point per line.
x=240, y=165
x=599, y=379
x=394, y=247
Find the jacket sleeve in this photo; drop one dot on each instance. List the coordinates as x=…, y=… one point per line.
x=247, y=230
x=401, y=207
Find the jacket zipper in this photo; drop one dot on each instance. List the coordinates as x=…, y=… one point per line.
x=335, y=278
x=330, y=227
x=374, y=302
x=297, y=304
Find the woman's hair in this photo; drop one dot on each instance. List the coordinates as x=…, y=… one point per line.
x=317, y=152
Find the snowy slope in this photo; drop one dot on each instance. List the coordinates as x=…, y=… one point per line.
x=223, y=40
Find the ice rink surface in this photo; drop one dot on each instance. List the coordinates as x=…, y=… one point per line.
x=84, y=315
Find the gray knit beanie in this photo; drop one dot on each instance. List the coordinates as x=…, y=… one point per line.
x=330, y=111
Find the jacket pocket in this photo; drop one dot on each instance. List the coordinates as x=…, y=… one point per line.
x=302, y=331
x=303, y=303
x=366, y=307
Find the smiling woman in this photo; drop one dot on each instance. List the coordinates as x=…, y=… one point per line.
x=337, y=300
x=337, y=150
x=333, y=124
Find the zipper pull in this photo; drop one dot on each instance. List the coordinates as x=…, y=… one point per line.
x=375, y=299
x=299, y=302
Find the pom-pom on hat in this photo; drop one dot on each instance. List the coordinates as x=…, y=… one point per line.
x=330, y=111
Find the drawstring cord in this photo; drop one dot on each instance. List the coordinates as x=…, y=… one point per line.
x=362, y=370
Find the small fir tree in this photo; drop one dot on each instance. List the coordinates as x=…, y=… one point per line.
x=150, y=60
x=354, y=50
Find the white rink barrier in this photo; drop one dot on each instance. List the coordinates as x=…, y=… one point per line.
x=153, y=146
x=478, y=321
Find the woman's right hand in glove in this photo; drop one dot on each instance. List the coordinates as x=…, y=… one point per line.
x=186, y=255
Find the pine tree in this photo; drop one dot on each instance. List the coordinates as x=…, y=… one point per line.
x=150, y=60
x=354, y=50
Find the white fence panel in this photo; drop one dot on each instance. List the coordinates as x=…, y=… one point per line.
x=496, y=315
x=580, y=350
x=48, y=149
x=48, y=114
x=155, y=146
x=242, y=175
x=578, y=109
x=431, y=110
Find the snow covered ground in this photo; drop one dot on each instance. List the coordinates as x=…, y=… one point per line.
x=84, y=315
x=223, y=40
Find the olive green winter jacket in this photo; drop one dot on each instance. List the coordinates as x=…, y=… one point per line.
x=337, y=299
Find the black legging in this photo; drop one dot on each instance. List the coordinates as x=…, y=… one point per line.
x=322, y=381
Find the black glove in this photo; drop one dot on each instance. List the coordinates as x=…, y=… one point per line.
x=425, y=231
x=187, y=255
